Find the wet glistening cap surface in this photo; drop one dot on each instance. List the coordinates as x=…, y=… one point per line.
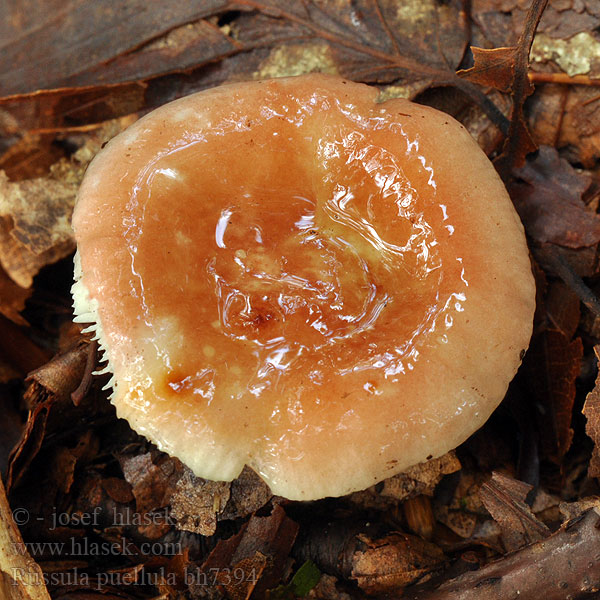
x=290, y=275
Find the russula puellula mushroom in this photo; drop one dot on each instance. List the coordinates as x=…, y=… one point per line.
x=290, y=275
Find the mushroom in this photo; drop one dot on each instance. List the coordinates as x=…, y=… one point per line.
x=291, y=275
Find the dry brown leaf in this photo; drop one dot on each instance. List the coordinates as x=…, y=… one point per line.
x=561, y=565
x=410, y=45
x=35, y=214
x=46, y=47
x=420, y=479
x=118, y=489
x=518, y=141
x=259, y=551
x=417, y=480
x=378, y=37
x=35, y=225
x=501, y=21
x=568, y=117
x=30, y=156
x=65, y=109
x=153, y=477
x=196, y=503
x=248, y=493
x=493, y=67
x=504, y=498
x=552, y=364
x=562, y=309
x=591, y=410
x=189, y=46
x=549, y=201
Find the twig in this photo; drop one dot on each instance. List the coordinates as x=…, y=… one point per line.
x=521, y=88
x=562, y=78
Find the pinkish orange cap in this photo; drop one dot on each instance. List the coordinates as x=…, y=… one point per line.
x=290, y=275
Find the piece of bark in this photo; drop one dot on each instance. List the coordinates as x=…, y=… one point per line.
x=564, y=565
x=418, y=513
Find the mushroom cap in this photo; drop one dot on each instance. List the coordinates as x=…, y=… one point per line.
x=290, y=275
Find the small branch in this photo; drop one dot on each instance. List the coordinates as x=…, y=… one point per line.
x=562, y=78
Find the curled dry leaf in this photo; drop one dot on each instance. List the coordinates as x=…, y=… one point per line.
x=493, y=68
x=48, y=400
x=548, y=198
